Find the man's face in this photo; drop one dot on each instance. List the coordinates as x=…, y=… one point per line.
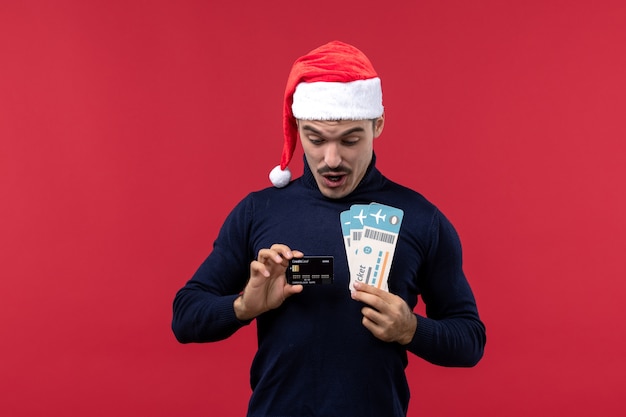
x=338, y=152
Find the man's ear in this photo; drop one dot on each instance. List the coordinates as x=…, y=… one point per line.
x=379, y=124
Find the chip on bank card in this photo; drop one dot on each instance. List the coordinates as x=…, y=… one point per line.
x=370, y=235
x=310, y=270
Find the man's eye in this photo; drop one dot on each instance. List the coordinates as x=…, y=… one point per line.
x=350, y=142
x=315, y=141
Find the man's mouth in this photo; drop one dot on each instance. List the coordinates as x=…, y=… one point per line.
x=334, y=179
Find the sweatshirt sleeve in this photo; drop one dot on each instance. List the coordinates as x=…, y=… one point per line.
x=203, y=309
x=452, y=333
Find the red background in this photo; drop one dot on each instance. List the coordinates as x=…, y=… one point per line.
x=129, y=129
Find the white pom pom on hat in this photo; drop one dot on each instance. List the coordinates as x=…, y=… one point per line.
x=333, y=82
x=280, y=177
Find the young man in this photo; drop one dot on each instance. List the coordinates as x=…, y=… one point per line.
x=340, y=348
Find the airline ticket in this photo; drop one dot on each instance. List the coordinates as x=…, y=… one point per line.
x=370, y=233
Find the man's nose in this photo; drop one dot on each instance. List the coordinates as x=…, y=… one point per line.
x=332, y=157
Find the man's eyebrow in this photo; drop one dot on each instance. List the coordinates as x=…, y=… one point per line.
x=346, y=133
x=312, y=129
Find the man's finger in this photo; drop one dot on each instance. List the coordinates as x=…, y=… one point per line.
x=373, y=315
x=372, y=296
x=370, y=289
x=293, y=289
x=279, y=254
x=257, y=267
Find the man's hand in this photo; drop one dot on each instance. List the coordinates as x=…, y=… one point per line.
x=267, y=287
x=386, y=315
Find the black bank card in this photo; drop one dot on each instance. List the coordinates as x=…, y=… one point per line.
x=310, y=270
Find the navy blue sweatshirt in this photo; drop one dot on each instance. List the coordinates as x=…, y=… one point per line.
x=314, y=356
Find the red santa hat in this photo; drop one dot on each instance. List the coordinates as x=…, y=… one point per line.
x=333, y=82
